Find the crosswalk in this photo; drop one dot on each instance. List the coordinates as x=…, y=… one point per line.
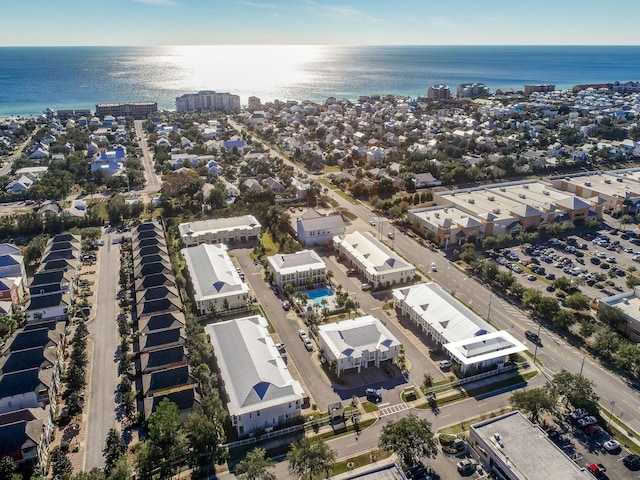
x=390, y=410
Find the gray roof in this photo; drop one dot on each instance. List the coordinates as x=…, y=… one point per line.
x=212, y=272
x=161, y=321
x=163, y=358
x=161, y=339
x=37, y=357
x=355, y=336
x=253, y=372
x=293, y=261
x=39, y=337
x=186, y=399
x=165, y=379
x=322, y=223
x=231, y=223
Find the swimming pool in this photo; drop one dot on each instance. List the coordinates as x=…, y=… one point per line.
x=318, y=294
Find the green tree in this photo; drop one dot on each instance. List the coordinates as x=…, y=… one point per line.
x=625, y=219
x=205, y=427
x=35, y=249
x=532, y=297
x=575, y=390
x=632, y=281
x=563, y=319
x=612, y=316
x=93, y=474
x=309, y=456
x=562, y=283
x=121, y=470
x=534, y=402
x=577, y=301
x=586, y=328
x=606, y=342
x=114, y=448
x=547, y=308
x=255, y=466
x=411, y=438
x=166, y=435
x=61, y=468
x=627, y=357
x=7, y=468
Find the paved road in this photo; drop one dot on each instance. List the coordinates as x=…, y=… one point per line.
x=147, y=158
x=555, y=353
x=104, y=367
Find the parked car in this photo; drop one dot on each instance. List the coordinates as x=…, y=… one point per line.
x=611, y=445
x=468, y=465
x=302, y=334
x=631, y=461
x=578, y=414
x=588, y=420
x=444, y=364
x=365, y=287
x=373, y=395
x=351, y=272
x=308, y=345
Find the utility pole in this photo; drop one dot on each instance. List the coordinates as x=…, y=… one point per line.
x=582, y=366
x=489, y=311
x=535, y=353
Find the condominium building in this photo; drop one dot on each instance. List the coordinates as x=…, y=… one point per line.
x=301, y=269
x=208, y=100
x=137, y=110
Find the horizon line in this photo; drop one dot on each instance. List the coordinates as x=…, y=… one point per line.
x=324, y=45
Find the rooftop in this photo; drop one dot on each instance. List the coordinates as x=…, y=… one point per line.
x=254, y=374
x=513, y=438
x=350, y=338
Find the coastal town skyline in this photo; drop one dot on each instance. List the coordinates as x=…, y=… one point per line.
x=310, y=22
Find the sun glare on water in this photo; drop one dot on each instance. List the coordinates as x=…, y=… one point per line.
x=241, y=69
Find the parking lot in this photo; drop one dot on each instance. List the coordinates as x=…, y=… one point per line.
x=598, y=264
x=592, y=445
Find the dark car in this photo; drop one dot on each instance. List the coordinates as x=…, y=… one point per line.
x=534, y=337
x=373, y=395
x=632, y=461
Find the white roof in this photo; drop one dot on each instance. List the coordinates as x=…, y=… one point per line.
x=484, y=347
x=350, y=338
x=254, y=374
x=374, y=256
x=212, y=272
x=218, y=224
x=444, y=313
x=296, y=262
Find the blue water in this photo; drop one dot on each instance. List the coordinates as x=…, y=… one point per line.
x=318, y=294
x=32, y=78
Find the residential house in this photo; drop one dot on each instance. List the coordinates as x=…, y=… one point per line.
x=356, y=344
x=316, y=229
x=217, y=285
x=301, y=269
x=260, y=393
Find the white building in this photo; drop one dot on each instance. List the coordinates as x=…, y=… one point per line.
x=467, y=338
x=220, y=230
x=357, y=344
x=301, y=269
x=216, y=283
x=505, y=445
x=378, y=263
x=208, y=100
x=316, y=229
x=260, y=392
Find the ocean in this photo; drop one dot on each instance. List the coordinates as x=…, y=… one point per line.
x=33, y=78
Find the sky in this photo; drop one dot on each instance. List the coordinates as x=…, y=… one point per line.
x=318, y=22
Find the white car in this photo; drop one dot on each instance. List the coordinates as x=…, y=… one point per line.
x=302, y=334
x=444, y=364
x=434, y=267
x=611, y=445
x=372, y=223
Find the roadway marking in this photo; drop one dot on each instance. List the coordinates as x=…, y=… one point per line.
x=400, y=407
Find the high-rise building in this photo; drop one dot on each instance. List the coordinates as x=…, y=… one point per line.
x=136, y=110
x=438, y=92
x=208, y=100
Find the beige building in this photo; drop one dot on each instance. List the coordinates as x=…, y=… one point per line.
x=229, y=231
